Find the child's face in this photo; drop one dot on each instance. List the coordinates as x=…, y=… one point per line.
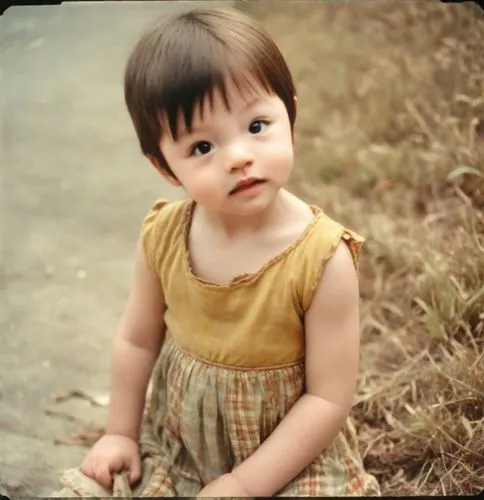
x=252, y=140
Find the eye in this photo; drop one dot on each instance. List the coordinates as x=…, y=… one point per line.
x=201, y=148
x=257, y=126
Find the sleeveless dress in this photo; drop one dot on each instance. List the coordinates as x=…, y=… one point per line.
x=231, y=367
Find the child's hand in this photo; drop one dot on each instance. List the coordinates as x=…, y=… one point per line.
x=224, y=486
x=112, y=453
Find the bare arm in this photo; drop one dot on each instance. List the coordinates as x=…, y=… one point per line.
x=136, y=346
x=332, y=351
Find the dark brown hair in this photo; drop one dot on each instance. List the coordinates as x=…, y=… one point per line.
x=189, y=55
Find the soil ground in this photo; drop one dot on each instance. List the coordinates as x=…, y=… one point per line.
x=74, y=191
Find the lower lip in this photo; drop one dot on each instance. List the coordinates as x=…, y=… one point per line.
x=252, y=188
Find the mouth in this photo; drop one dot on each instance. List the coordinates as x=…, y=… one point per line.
x=246, y=184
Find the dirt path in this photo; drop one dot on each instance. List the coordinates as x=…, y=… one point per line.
x=75, y=189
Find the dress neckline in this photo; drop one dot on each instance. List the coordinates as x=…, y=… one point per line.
x=240, y=279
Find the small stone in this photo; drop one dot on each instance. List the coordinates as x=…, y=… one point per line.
x=13, y=484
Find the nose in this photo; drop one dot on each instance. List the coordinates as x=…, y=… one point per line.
x=238, y=157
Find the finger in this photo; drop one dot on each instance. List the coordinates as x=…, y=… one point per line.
x=135, y=469
x=86, y=469
x=104, y=476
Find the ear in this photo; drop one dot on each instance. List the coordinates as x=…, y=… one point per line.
x=172, y=180
x=296, y=104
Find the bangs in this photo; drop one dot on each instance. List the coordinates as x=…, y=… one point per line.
x=199, y=79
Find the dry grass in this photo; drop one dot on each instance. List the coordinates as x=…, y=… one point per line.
x=390, y=142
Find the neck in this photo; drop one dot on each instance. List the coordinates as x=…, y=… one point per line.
x=233, y=226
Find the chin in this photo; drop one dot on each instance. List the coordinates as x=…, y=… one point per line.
x=251, y=207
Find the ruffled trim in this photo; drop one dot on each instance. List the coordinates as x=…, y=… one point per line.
x=241, y=279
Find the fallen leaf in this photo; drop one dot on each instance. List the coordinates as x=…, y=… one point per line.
x=67, y=416
x=84, y=436
x=99, y=399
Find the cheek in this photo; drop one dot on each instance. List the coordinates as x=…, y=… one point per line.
x=201, y=186
x=281, y=158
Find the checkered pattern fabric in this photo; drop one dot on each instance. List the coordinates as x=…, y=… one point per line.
x=203, y=419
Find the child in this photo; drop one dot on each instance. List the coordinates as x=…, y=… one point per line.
x=244, y=307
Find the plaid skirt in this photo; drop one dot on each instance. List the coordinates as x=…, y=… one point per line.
x=203, y=419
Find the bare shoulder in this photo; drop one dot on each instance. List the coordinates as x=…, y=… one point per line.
x=338, y=288
x=341, y=265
